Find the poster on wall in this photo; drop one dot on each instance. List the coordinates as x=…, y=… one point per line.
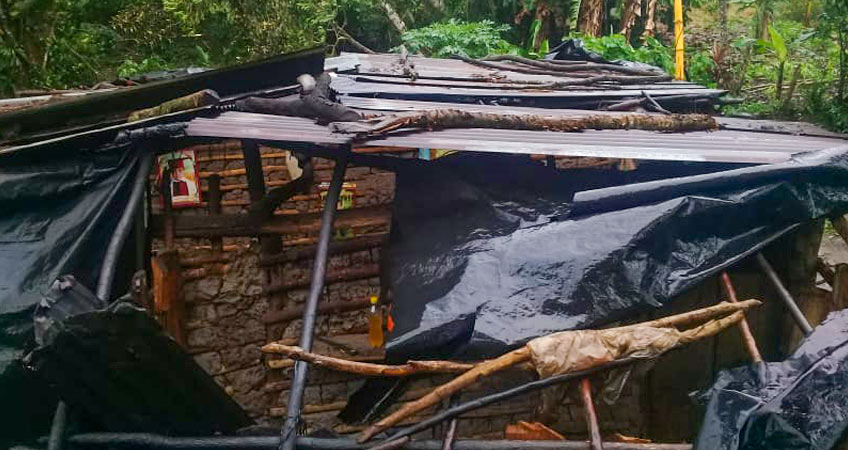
x=185, y=186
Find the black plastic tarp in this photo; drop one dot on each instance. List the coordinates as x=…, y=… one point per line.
x=800, y=403
x=58, y=212
x=487, y=255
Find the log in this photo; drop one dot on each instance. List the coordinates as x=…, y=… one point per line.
x=367, y=369
x=452, y=118
x=198, y=99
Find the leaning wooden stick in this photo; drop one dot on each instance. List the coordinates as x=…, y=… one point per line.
x=523, y=354
x=368, y=369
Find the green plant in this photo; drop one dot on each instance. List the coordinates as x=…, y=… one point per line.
x=615, y=46
x=701, y=68
x=454, y=37
x=130, y=68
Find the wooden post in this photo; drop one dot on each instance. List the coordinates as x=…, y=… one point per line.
x=595, y=442
x=679, y=45
x=744, y=328
x=214, y=200
x=256, y=190
x=168, y=305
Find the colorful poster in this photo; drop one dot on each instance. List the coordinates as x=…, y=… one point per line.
x=184, y=184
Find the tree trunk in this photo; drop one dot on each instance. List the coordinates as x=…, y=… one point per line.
x=591, y=17
x=394, y=17
x=650, y=23
x=841, y=39
x=779, y=88
x=632, y=9
x=724, y=34
x=765, y=19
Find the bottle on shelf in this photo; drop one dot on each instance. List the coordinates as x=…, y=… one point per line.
x=375, y=324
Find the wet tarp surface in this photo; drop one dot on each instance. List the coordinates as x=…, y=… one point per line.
x=125, y=373
x=57, y=213
x=800, y=403
x=486, y=256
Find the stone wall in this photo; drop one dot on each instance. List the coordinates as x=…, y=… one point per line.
x=228, y=305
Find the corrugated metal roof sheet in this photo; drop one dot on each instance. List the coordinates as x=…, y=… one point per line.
x=349, y=86
x=717, y=146
x=379, y=83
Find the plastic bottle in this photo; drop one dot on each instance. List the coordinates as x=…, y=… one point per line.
x=375, y=324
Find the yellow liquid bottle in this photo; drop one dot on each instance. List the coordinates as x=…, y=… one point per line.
x=375, y=324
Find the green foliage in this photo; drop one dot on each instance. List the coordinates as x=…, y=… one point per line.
x=68, y=43
x=615, y=47
x=454, y=37
x=777, y=44
x=700, y=68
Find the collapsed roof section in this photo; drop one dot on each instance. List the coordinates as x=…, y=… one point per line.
x=377, y=84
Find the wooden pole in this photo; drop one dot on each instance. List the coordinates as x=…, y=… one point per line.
x=444, y=391
x=744, y=328
x=168, y=305
x=679, y=45
x=367, y=369
x=595, y=442
x=214, y=202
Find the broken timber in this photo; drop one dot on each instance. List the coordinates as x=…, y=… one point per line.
x=523, y=354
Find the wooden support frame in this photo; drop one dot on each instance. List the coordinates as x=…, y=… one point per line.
x=256, y=191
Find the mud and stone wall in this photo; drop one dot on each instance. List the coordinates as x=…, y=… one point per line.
x=229, y=304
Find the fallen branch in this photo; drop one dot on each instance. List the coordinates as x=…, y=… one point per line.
x=367, y=369
x=350, y=39
x=453, y=118
x=646, y=340
x=456, y=411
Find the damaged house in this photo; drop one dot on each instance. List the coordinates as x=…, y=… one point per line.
x=381, y=251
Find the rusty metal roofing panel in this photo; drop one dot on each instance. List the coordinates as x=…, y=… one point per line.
x=716, y=146
x=348, y=86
